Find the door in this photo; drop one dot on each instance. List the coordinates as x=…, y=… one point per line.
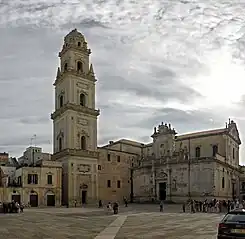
x=84, y=196
x=162, y=191
x=51, y=200
x=16, y=198
x=33, y=200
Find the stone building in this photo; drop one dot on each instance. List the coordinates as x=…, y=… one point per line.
x=196, y=165
x=38, y=186
x=4, y=158
x=32, y=155
x=171, y=167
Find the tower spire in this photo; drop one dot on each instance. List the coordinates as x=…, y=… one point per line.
x=91, y=70
x=58, y=72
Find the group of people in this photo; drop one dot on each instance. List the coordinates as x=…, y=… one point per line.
x=213, y=205
x=113, y=207
x=11, y=207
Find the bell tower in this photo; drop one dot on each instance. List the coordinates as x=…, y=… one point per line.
x=75, y=121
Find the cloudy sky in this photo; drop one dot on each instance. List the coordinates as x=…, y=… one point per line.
x=179, y=61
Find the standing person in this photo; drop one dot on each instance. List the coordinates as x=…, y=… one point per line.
x=21, y=207
x=100, y=204
x=192, y=206
x=125, y=202
x=183, y=206
x=109, y=207
x=161, y=206
x=115, y=207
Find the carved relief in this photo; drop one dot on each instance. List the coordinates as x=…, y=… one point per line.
x=162, y=175
x=82, y=85
x=84, y=168
x=82, y=121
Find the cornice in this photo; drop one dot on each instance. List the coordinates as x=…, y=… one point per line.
x=78, y=49
x=75, y=152
x=72, y=72
x=77, y=108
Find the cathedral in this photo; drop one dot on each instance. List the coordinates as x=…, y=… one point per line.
x=172, y=167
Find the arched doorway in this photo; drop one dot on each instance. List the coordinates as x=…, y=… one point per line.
x=33, y=199
x=50, y=199
x=16, y=197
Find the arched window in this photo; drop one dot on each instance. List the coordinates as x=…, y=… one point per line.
x=198, y=152
x=82, y=99
x=65, y=67
x=79, y=43
x=61, y=100
x=79, y=66
x=215, y=150
x=83, y=142
x=60, y=144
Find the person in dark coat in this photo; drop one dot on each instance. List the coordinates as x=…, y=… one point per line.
x=115, y=208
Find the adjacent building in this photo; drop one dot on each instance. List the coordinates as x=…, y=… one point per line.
x=36, y=185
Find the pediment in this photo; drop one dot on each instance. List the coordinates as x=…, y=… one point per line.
x=233, y=132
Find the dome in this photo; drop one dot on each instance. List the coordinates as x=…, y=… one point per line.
x=74, y=34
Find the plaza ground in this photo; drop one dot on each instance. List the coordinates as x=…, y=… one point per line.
x=136, y=221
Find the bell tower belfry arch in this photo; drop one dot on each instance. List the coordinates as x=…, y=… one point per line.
x=75, y=121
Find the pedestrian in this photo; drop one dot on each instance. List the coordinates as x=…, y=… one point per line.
x=100, y=204
x=115, y=208
x=183, y=206
x=109, y=207
x=161, y=206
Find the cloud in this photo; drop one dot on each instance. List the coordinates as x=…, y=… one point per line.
x=176, y=61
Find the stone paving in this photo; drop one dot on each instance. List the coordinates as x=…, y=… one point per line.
x=170, y=226
x=132, y=222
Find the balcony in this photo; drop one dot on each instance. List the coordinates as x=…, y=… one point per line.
x=14, y=185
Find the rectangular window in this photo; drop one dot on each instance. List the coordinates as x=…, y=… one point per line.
x=29, y=179
x=32, y=179
x=19, y=180
x=118, y=159
x=49, y=179
x=108, y=183
x=99, y=167
x=233, y=153
x=223, y=182
x=108, y=157
x=118, y=184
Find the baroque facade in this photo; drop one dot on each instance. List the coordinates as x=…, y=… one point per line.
x=171, y=167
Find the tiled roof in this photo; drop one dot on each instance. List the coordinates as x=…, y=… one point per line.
x=202, y=133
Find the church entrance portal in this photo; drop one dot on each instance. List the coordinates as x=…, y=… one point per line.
x=84, y=196
x=162, y=191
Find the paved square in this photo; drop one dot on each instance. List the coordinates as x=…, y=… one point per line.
x=170, y=226
x=133, y=222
